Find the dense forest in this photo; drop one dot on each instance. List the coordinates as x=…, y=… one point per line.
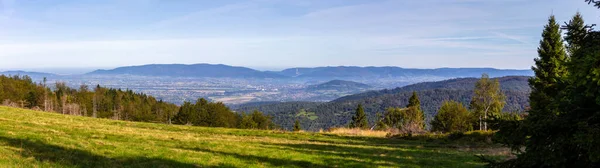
x=101, y=102
x=512, y=83
x=432, y=94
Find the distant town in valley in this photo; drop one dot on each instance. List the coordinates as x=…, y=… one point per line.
x=239, y=85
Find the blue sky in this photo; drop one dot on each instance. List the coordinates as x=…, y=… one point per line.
x=272, y=34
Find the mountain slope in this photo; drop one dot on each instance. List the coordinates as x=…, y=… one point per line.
x=337, y=113
x=194, y=70
x=41, y=139
x=518, y=83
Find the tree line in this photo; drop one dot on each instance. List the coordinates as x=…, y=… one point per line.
x=487, y=103
x=432, y=96
x=118, y=104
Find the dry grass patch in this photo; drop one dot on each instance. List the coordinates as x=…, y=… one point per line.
x=358, y=132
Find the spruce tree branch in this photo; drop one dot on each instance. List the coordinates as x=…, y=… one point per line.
x=596, y=3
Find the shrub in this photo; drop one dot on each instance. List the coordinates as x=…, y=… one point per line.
x=452, y=117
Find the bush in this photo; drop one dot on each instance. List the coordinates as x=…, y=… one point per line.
x=452, y=117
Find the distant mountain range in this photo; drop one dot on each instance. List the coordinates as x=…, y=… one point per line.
x=343, y=72
x=328, y=73
x=194, y=70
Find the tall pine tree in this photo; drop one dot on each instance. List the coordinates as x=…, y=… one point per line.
x=576, y=30
x=579, y=122
x=297, y=126
x=550, y=74
x=359, y=120
x=415, y=104
x=550, y=68
x=414, y=101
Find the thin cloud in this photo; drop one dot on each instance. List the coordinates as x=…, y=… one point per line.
x=520, y=39
x=278, y=33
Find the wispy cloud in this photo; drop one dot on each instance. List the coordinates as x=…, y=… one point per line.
x=202, y=15
x=427, y=33
x=520, y=39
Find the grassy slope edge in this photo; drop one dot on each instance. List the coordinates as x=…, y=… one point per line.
x=40, y=139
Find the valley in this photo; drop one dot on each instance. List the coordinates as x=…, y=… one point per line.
x=177, y=83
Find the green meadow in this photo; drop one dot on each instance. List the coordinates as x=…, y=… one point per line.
x=41, y=139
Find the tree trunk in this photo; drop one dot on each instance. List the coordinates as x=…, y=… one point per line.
x=480, y=128
x=94, y=108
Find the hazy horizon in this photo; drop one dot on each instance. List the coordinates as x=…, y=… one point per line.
x=75, y=70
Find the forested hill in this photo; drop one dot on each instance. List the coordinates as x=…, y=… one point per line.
x=314, y=116
x=181, y=70
x=339, y=85
x=512, y=83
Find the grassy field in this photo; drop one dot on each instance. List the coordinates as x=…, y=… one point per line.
x=310, y=115
x=41, y=139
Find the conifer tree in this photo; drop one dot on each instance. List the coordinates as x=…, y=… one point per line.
x=576, y=30
x=359, y=120
x=415, y=103
x=380, y=123
x=297, y=126
x=596, y=3
x=577, y=127
x=550, y=70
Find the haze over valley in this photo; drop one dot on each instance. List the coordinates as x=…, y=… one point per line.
x=177, y=83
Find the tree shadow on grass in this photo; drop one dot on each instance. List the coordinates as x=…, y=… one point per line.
x=347, y=156
x=261, y=159
x=78, y=158
x=400, y=143
x=373, y=141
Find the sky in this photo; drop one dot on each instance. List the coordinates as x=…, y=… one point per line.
x=276, y=34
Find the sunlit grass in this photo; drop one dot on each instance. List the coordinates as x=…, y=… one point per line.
x=40, y=139
x=358, y=132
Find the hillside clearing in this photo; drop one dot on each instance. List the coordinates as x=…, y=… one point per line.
x=40, y=139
